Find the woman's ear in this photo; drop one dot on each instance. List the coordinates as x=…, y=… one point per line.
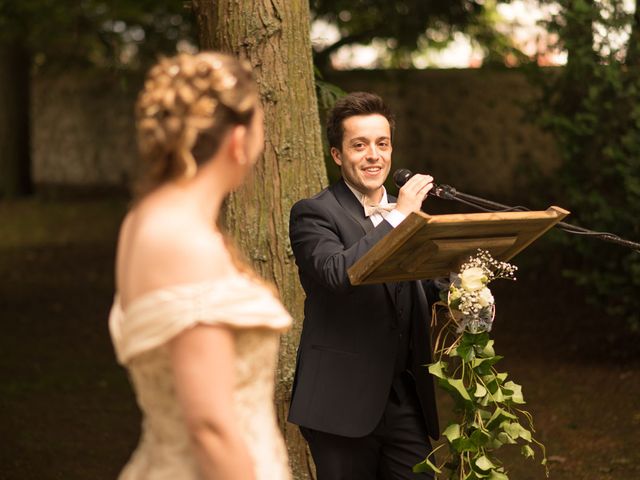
x=238, y=144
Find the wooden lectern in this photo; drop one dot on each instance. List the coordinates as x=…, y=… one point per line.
x=425, y=246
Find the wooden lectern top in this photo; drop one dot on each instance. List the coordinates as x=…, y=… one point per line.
x=425, y=246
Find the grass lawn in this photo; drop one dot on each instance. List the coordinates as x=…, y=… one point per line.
x=67, y=411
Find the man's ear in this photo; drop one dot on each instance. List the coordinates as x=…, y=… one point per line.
x=336, y=155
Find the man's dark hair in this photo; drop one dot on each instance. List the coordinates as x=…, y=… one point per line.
x=357, y=103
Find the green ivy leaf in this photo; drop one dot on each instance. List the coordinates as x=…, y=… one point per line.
x=510, y=429
x=458, y=385
x=515, y=391
x=485, y=414
x=505, y=438
x=527, y=451
x=488, y=378
x=499, y=416
x=484, y=464
x=498, y=396
x=515, y=430
x=452, y=432
x=496, y=475
x=425, y=466
x=494, y=443
x=493, y=387
x=483, y=365
x=438, y=369
x=464, y=444
x=475, y=339
x=480, y=391
x=480, y=438
x=488, y=350
x=466, y=352
x=525, y=434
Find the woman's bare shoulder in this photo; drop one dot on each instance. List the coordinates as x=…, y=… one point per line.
x=157, y=251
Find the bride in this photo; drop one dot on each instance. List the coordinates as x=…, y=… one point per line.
x=195, y=327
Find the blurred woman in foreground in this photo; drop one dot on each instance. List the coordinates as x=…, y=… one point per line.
x=194, y=326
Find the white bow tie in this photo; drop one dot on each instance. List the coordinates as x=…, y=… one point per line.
x=379, y=209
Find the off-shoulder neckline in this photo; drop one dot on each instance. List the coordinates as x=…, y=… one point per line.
x=146, y=296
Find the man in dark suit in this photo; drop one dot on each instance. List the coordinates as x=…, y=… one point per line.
x=362, y=395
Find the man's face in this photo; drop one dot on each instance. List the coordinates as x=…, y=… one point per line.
x=365, y=158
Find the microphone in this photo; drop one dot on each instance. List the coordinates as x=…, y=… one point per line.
x=402, y=176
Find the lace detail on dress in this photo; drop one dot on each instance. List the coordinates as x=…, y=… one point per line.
x=164, y=451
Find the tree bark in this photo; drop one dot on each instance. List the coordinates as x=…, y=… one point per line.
x=15, y=161
x=273, y=35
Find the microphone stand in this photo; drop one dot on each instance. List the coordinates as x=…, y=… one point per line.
x=447, y=192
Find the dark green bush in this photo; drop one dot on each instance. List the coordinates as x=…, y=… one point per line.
x=592, y=108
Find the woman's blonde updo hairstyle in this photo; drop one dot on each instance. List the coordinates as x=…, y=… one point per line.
x=187, y=105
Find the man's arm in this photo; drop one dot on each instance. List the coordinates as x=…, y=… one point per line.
x=320, y=252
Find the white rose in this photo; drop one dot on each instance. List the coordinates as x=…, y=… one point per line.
x=473, y=279
x=485, y=298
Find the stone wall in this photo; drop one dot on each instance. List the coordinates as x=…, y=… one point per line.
x=82, y=129
x=466, y=127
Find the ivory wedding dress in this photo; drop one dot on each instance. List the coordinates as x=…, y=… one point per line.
x=140, y=335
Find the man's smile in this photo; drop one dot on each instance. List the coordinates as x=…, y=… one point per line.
x=372, y=170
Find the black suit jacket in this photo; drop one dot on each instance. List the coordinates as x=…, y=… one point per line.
x=347, y=352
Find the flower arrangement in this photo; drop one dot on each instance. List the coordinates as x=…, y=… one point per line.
x=486, y=404
x=469, y=298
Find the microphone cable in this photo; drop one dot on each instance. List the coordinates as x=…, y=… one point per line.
x=447, y=192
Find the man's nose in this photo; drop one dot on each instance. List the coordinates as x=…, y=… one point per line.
x=372, y=152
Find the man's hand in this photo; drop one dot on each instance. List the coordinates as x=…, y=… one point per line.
x=413, y=193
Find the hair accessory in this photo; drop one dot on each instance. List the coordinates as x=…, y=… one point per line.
x=173, y=70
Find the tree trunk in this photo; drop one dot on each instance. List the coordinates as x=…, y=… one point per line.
x=15, y=161
x=273, y=35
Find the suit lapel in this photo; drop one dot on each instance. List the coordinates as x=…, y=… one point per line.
x=353, y=207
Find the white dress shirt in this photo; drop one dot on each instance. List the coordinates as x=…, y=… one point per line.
x=394, y=217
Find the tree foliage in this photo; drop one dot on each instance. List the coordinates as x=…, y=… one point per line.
x=115, y=33
x=408, y=25
x=592, y=107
